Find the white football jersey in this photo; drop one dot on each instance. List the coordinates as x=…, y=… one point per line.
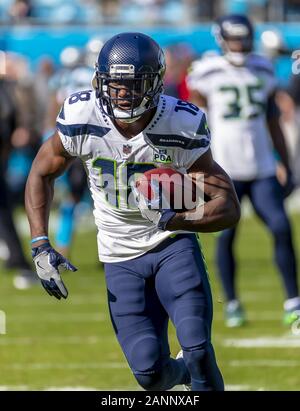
x=237, y=99
x=176, y=137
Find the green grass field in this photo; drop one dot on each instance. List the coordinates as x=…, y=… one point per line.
x=53, y=344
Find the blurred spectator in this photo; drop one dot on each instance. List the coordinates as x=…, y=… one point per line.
x=144, y=11
x=24, y=138
x=110, y=10
x=200, y=10
x=13, y=131
x=171, y=76
x=289, y=103
x=258, y=9
x=44, y=72
x=20, y=10
x=178, y=59
x=291, y=10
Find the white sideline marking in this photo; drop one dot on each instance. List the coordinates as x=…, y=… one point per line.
x=263, y=342
x=67, y=366
x=230, y=387
x=67, y=388
x=237, y=387
x=14, y=387
x=91, y=389
x=68, y=340
x=260, y=295
x=264, y=363
x=46, y=300
x=75, y=317
x=100, y=317
x=92, y=339
x=255, y=317
x=70, y=389
x=257, y=295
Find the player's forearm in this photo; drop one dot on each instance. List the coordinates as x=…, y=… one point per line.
x=38, y=198
x=215, y=215
x=50, y=162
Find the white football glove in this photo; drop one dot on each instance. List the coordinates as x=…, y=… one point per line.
x=47, y=263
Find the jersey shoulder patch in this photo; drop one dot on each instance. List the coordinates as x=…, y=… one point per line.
x=184, y=127
x=190, y=122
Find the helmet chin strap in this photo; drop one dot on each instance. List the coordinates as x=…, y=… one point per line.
x=128, y=120
x=125, y=116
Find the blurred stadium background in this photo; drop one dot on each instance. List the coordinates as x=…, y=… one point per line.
x=70, y=344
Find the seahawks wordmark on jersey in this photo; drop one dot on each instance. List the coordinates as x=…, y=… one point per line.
x=237, y=98
x=177, y=136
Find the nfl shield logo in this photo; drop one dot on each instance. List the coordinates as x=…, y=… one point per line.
x=127, y=148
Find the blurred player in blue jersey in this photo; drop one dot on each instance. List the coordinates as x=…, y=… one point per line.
x=154, y=268
x=238, y=90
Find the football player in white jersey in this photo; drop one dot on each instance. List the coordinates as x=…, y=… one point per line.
x=237, y=89
x=154, y=268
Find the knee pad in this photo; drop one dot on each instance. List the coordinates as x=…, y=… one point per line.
x=144, y=354
x=152, y=381
x=193, y=324
x=161, y=379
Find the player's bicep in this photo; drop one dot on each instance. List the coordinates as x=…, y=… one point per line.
x=52, y=159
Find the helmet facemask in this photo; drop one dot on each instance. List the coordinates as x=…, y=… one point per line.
x=126, y=95
x=238, y=58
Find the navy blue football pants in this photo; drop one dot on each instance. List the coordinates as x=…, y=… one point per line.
x=267, y=200
x=169, y=281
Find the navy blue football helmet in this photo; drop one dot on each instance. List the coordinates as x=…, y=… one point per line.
x=234, y=28
x=133, y=60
